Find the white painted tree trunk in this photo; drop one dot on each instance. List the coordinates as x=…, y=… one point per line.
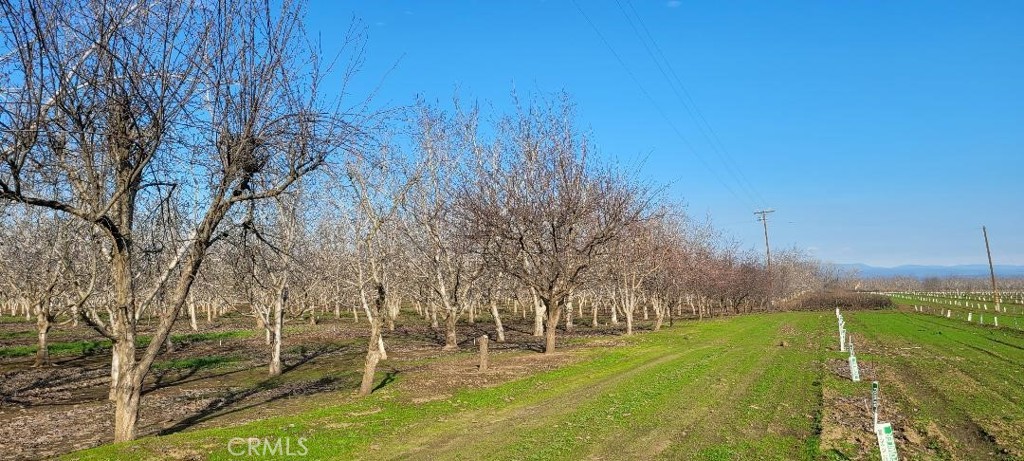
x=192, y=316
x=568, y=317
x=538, y=315
x=276, y=326
x=42, y=329
x=497, y=321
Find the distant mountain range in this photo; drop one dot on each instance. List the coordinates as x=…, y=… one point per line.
x=964, y=270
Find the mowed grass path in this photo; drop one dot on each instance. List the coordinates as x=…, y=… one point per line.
x=692, y=393
x=725, y=389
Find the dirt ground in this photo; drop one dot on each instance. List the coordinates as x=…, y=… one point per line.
x=53, y=410
x=941, y=431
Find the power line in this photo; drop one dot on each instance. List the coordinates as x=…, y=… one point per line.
x=695, y=113
x=681, y=92
x=654, y=102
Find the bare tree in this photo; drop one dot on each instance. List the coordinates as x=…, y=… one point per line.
x=445, y=260
x=541, y=209
x=634, y=262
x=117, y=109
x=48, y=265
x=368, y=210
x=265, y=266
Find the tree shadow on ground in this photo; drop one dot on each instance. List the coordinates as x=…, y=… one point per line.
x=389, y=377
x=271, y=389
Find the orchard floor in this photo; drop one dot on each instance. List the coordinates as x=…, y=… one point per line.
x=749, y=387
x=218, y=376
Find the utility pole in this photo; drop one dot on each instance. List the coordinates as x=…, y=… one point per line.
x=768, y=251
x=991, y=269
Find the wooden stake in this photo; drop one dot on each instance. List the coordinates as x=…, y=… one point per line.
x=483, y=352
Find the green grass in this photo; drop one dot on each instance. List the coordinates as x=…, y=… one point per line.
x=1012, y=319
x=724, y=389
x=19, y=334
x=212, y=336
x=56, y=349
x=719, y=382
x=90, y=346
x=194, y=363
x=962, y=378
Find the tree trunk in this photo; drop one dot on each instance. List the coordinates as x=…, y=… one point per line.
x=497, y=322
x=593, y=312
x=629, y=321
x=472, y=313
x=552, y=324
x=370, y=368
x=538, y=315
x=568, y=317
x=615, y=312
x=42, y=329
x=451, y=340
x=125, y=391
x=192, y=316
x=394, y=307
x=126, y=411
x=433, y=316
x=276, y=326
x=380, y=347
x=659, y=314
x=375, y=346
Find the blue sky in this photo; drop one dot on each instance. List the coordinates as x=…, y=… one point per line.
x=885, y=133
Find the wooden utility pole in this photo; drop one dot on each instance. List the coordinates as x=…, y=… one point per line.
x=768, y=251
x=991, y=269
